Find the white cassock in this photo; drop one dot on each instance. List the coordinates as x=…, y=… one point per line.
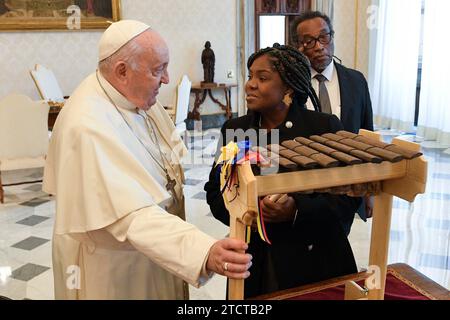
x=113, y=236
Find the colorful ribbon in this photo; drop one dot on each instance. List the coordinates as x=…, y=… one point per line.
x=228, y=154
x=226, y=160
x=261, y=225
x=236, y=154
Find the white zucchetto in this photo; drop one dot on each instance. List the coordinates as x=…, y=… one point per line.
x=119, y=34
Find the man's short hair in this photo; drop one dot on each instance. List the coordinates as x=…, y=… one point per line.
x=305, y=16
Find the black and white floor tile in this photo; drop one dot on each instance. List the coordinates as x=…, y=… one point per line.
x=420, y=233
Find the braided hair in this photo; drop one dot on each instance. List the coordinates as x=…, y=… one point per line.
x=294, y=69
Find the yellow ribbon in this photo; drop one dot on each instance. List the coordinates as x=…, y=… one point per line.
x=226, y=158
x=260, y=231
x=228, y=153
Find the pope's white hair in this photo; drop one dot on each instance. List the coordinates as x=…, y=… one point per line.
x=129, y=53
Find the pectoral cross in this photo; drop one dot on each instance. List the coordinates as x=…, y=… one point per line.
x=171, y=183
x=170, y=186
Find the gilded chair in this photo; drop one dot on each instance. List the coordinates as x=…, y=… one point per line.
x=24, y=135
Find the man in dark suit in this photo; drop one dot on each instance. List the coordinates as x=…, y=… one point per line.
x=342, y=91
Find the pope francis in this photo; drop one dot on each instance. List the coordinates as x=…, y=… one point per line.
x=114, y=168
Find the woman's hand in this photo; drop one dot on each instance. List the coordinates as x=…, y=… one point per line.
x=280, y=211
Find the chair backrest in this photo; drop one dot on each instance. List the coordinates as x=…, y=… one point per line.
x=183, y=94
x=47, y=84
x=23, y=131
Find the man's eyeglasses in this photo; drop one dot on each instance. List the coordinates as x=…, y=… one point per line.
x=310, y=43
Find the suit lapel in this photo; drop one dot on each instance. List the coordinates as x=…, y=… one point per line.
x=346, y=93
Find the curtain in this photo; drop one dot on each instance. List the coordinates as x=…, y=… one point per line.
x=434, y=116
x=394, y=63
x=246, y=46
x=324, y=6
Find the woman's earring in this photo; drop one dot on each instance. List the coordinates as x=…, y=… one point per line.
x=287, y=100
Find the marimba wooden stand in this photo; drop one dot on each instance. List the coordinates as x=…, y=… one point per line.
x=405, y=179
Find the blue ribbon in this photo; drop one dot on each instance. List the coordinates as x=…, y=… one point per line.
x=244, y=148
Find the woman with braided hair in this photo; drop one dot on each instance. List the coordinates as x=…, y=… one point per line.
x=308, y=241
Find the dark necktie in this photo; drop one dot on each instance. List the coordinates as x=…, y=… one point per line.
x=323, y=94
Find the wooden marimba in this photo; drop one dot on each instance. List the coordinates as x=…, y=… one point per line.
x=342, y=163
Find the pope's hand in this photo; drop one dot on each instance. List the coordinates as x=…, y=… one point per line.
x=228, y=258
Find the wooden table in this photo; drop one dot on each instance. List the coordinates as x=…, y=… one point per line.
x=53, y=113
x=201, y=91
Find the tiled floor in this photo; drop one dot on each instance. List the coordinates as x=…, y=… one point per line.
x=420, y=233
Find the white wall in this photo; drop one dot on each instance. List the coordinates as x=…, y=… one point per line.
x=185, y=24
x=347, y=46
x=71, y=56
